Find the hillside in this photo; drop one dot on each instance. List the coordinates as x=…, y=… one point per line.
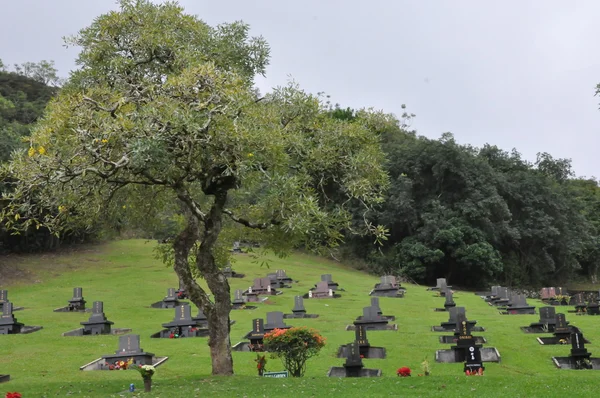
x=126, y=277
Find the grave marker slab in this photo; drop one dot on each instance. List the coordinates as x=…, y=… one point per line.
x=169, y=301
x=353, y=366
x=387, y=287
x=4, y=299
x=299, y=311
x=322, y=290
x=97, y=323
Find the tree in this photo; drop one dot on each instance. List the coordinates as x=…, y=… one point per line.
x=163, y=111
x=43, y=72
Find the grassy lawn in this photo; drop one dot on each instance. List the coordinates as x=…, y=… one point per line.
x=128, y=279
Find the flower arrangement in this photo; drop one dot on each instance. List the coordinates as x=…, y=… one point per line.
x=119, y=365
x=256, y=347
x=403, y=371
x=13, y=395
x=261, y=363
x=294, y=346
x=147, y=371
x=426, y=367
x=478, y=372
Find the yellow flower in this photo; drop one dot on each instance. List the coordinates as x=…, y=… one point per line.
x=104, y=140
x=62, y=208
x=31, y=151
x=124, y=206
x=41, y=150
x=250, y=155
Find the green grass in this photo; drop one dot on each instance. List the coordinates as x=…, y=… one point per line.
x=128, y=279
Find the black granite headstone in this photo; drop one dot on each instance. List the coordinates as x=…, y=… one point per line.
x=97, y=323
x=299, y=305
x=8, y=322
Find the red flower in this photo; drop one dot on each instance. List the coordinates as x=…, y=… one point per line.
x=362, y=356
x=172, y=336
x=403, y=372
x=13, y=395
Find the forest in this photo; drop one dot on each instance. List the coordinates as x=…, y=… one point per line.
x=473, y=215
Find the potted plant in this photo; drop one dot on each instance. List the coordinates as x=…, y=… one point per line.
x=261, y=363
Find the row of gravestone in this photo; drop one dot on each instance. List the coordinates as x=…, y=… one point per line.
x=550, y=321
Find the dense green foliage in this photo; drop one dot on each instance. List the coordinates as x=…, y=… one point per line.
x=24, y=94
x=477, y=215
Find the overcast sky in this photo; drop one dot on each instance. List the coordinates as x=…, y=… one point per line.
x=518, y=74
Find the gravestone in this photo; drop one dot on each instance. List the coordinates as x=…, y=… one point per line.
x=239, y=302
x=375, y=304
x=129, y=347
x=547, y=293
x=518, y=305
x=330, y=283
x=502, y=298
x=593, y=308
x=365, y=348
x=388, y=287
x=561, y=328
x=299, y=311
x=275, y=321
x=473, y=361
x=77, y=303
x=353, y=366
x=236, y=247
x=183, y=325
x=371, y=320
x=261, y=286
x=8, y=322
x=282, y=276
x=453, y=313
x=322, y=290
x=579, y=303
x=230, y=273
x=4, y=299
x=97, y=323
x=256, y=336
x=548, y=315
x=169, y=301
x=449, y=302
x=298, y=306
x=354, y=363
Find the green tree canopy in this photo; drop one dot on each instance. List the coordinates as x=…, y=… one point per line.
x=163, y=111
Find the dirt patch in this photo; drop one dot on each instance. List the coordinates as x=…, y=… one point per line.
x=11, y=271
x=20, y=268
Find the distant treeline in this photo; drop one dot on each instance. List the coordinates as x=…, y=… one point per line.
x=477, y=215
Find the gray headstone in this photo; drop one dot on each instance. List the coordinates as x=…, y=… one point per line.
x=183, y=313
x=579, y=300
x=238, y=297
x=370, y=314
x=503, y=292
x=326, y=278
x=547, y=315
x=3, y=296
x=171, y=293
x=353, y=359
x=561, y=324
x=97, y=313
x=322, y=287
x=518, y=300
x=449, y=299
x=375, y=304
x=77, y=293
x=454, y=312
x=275, y=320
x=129, y=344
x=298, y=305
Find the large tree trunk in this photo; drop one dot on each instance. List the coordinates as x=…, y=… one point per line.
x=218, y=316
